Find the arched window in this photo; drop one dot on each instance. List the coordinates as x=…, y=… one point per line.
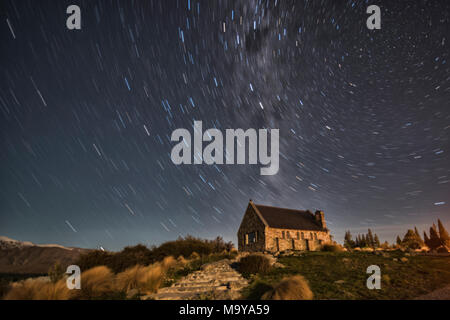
x=303, y=236
x=288, y=235
x=282, y=234
x=315, y=236
x=298, y=235
x=311, y=235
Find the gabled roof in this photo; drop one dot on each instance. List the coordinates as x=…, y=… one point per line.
x=283, y=218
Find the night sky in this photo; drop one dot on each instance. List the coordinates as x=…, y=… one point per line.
x=86, y=116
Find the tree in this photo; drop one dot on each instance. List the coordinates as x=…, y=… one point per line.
x=56, y=272
x=370, y=239
x=434, y=241
x=348, y=241
x=411, y=241
x=363, y=241
x=398, y=240
x=376, y=241
x=443, y=234
x=426, y=239
x=422, y=243
x=416, y=232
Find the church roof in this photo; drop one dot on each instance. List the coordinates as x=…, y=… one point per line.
x=283, y=218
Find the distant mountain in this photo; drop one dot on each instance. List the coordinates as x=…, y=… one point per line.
x=27, y=257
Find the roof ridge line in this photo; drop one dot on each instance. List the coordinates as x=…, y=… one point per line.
x=263, y=205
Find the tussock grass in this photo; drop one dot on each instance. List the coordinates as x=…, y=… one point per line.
x=181, y=261
x=96, y=283
x=168, y=262
x=38, y=289
x=292, y=288
x=254, y=264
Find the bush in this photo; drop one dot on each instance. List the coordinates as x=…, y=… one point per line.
x=293, y=288
x=254, y=263
x=141, y=255
x=4, y=287
x=56, y=272
x=187, y=246
x=331, y=248
x=93, y=259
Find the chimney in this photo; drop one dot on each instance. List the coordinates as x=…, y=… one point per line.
x=320, y=218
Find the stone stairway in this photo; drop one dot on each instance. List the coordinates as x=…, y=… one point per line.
x=217, y=281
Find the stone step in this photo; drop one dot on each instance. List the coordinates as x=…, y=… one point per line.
x=193, y=289
x=212, y=280
x=213, y=275
x=217, y=280
x=172, y=296
x=210, y=284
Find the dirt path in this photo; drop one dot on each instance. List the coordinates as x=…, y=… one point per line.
x=440, y=294
x=215, y=281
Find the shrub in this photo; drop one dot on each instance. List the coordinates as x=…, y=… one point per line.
x=4, y=287
x=93, y=259
x=331, y=248
x=129, y=257
x=293, y=288
x=254, y=263
x=140, y=254
x=56, y=272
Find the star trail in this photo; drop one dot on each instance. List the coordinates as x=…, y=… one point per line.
x=86, y=116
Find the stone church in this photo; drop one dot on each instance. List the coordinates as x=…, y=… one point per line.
x=272, y=229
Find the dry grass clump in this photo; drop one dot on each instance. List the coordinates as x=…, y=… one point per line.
x=168, y=262
x=54, y=291
x=254, y=263
x=181, y=261
x=145, y=279
x=96, y=283
x=132, y=278
x=194, y=255
x=24, y=290
x=292, y=288
x=38, y=289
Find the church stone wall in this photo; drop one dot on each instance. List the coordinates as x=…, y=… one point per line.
x=252, y=223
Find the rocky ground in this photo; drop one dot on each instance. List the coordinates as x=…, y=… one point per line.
x=440, y=294
x=216, y=280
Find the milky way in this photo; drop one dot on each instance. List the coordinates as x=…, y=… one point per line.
x=86, y=116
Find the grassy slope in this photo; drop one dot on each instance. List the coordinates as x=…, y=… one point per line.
x=400, y=280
